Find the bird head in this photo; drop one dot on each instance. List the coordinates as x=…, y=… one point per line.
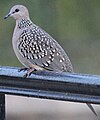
x=18, y=12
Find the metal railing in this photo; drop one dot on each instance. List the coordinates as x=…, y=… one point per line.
x=49, y=85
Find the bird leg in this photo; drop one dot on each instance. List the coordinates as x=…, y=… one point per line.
x=22, y=69
x=29, y=72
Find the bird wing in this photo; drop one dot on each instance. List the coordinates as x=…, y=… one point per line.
x=41, y=49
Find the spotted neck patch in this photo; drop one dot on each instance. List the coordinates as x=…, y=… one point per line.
x=24, y=23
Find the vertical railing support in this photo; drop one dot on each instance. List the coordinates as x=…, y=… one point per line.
x=2, y=106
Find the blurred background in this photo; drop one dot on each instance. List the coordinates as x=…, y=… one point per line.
x=75, y=24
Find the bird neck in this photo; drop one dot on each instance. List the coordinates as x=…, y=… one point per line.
x=22, y=23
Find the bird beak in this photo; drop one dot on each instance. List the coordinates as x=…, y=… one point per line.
x=7, y=16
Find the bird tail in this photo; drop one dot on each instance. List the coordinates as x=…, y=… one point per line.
x=92, y=109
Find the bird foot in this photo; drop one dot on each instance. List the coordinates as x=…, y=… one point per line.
x=29, y=72
x=22, y=69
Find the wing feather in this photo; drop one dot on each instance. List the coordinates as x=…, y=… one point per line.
x=41, y=49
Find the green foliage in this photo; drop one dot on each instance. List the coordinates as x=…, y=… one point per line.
x=75, y=24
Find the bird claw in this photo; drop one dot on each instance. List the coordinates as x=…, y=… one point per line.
x=29, y=72
x=25, y=75
x=22, y=69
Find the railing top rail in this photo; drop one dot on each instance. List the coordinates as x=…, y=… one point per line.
x=50, y=85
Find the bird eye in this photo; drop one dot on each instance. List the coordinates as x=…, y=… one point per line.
x=17, y=10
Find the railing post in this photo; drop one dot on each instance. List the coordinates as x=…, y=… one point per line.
x=2, y=106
